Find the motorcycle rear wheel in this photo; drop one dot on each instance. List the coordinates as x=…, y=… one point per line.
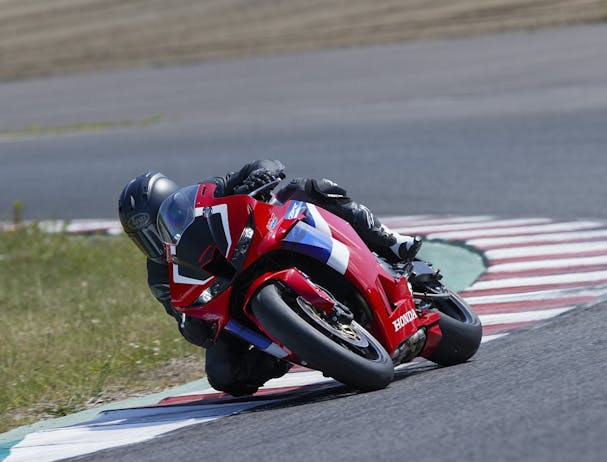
x=349, y=353
x=461, y=330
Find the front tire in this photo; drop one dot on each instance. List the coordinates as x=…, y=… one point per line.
x=363, y=364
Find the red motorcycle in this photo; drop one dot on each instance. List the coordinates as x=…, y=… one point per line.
x=298, y=282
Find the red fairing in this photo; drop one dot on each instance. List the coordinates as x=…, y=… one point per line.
x=390, y=298
x=434, y=336
x=299, y=283
x=234, y=210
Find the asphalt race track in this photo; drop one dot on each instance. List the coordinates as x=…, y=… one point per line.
x=533, y=396
x=508, y=125
x=512, y=125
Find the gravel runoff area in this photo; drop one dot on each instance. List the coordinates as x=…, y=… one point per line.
x=41, y=37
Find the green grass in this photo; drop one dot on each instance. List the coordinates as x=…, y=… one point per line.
x=35, y=130
x=80, y=327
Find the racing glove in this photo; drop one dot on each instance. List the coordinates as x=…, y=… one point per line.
x=258, y=178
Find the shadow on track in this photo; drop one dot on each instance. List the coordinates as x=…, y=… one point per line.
x=330, y=391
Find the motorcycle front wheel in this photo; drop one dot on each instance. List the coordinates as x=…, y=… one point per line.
x=342, y=350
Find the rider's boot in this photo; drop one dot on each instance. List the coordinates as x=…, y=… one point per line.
x=406, y=247
x=389, y=244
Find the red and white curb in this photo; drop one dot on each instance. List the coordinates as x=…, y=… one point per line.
x=537, y=268
x=85, y=226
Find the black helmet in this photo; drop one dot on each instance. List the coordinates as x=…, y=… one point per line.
x=138, y=207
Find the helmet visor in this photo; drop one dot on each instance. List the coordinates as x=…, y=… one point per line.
x=176, y=213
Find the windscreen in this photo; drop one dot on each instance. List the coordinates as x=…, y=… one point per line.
x=177, y=213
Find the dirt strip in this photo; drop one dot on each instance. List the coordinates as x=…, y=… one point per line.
x=41, y=37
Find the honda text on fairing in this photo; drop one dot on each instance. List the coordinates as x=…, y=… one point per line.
x=298, y=283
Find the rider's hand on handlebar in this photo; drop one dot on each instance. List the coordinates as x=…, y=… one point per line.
x=256, y=179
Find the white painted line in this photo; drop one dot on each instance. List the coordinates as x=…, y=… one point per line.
x=86, y=225
x=297, y=379
x=115, y=231
x=487, y=243
x=489, y=338
x=550, y=249
x=477, y=226
x=535, y=296
x=540, y=280
x=117, y=428
x=515, y=231
x=430, y=220
x=72, y=226
x=407, y=218
x=552, y=263
x=525, y=316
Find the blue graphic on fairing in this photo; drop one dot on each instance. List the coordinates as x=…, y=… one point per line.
x=305, y=239
x=297, y=208
x=255, y=339
x=312, y=236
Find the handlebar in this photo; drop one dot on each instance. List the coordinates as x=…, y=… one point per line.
x=264, y=187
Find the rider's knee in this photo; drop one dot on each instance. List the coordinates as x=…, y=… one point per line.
x=326, y=190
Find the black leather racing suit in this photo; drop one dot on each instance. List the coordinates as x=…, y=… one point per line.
x=231, y=366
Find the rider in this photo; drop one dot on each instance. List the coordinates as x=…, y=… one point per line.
x=231, y=366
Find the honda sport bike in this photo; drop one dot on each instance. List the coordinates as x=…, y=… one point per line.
x=298, y=283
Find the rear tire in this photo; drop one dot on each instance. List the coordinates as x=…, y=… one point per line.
x=276, y=308
x=461, y=331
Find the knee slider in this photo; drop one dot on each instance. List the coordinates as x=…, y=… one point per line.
x=220, y=375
